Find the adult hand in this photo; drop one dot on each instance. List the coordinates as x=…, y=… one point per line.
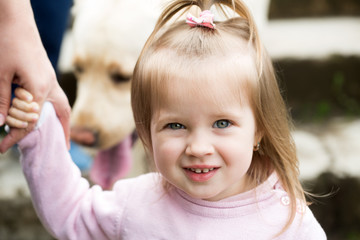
x=23, y=61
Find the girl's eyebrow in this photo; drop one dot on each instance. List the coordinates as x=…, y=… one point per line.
x=229, y=113
x=167, y=117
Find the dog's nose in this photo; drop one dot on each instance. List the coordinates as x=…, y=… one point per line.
x=84, y=136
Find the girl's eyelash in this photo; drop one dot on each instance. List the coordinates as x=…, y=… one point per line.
x=222, y=123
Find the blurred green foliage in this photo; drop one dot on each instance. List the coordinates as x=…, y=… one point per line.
x=319, y=89
x=350, y=105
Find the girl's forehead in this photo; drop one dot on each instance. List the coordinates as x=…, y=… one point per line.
x=215, y=80
x=210, y=92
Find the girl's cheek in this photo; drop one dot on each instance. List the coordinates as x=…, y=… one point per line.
x=170, y=145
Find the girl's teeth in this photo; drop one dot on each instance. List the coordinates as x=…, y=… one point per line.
x=198, y=170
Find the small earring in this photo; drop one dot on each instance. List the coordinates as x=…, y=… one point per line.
x=257, y=147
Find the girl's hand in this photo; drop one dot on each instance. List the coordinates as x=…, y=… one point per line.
x=23, y=110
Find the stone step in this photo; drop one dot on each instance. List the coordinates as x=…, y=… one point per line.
x=334, y=148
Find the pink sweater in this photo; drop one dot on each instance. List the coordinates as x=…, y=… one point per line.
x=140, y=209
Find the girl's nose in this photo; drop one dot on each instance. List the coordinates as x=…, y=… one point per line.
x=199, y=146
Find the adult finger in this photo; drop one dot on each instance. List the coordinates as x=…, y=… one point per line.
x=5, y=98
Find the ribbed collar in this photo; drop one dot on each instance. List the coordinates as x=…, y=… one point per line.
x=234, y=206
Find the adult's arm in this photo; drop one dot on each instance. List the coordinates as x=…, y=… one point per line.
x=23, y=60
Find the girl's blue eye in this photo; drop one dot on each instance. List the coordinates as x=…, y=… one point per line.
x=175, y=126
x=222, y=124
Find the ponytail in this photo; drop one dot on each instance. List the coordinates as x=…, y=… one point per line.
x=178, y=7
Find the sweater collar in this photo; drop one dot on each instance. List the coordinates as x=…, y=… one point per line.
x=234, y=206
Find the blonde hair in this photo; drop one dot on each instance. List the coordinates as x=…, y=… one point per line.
x=176, y=46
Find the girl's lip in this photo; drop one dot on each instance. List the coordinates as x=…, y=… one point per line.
x=200, y=173
x=202, y=166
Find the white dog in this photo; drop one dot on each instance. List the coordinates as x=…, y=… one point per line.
x=108, y=36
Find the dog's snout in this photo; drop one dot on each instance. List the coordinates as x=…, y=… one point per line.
x=84, y=136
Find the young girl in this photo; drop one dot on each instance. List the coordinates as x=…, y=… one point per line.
x=209, y=112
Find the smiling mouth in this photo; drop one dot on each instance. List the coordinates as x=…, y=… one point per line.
x=200, y=174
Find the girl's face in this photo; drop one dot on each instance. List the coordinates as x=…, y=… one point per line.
x=203, y=143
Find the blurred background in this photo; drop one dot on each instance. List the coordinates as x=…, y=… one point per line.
x=315, y=45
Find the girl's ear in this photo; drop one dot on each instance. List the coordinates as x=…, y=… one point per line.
x=257, y=139
x=258, y=136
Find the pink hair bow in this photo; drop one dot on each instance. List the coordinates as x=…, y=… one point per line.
x=205, y=20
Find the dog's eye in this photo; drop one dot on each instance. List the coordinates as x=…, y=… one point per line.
x=119, y=78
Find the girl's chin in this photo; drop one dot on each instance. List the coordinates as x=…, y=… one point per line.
x=206, y=196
